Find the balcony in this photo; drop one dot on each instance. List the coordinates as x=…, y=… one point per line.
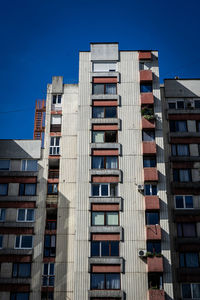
x=147, y=98
x=146, y=75
x=148, y=124
x=149, y=148
x=53, y=174
x=153, y=232
x=145, y=55
x=152, y=202
x=155, y=264
x=156, y=295
x=150, y=174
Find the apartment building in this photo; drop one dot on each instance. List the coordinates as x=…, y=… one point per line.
x=181, y=114
x=101, y=225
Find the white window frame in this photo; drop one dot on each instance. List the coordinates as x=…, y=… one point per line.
x=26, y=165
x=54, y=146
x=26, y=211
x=176, y=104
x=151, y=194
x=2, y=209
x=48, y=275
x=190, y=289
x=8, y=167
x=53, y=95
x=20, y=242
x=184, y=204
x=100, y=194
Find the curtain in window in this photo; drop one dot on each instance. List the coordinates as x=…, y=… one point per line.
x=31, y=165
x=30, y=189
x=97, y=218
x=182, y=126
x=97, y=162
x=98, y=137
x=111, y=162
x=182, y=150
x=3, y=189
x=30, y=214
x=196, y=290
x=111, y=89
x=192, y=260
x=112, y=218
x=112, y=281
x=184, y=175
x=97, y=281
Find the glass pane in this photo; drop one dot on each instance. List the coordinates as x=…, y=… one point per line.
x=188, y=201
x=98, y=137
x=147, y=189
x=30, y=189
x=154, y=247
x=97, y=218
x=192, y=260
x=47, y=241
x=14, y=271
x=45, y=270
x=105, y=248
x=97, y=162
x=110, y=137
x=111, y=88
x=26, y=242
x=57, y=141
x=98, y=89
x=186, y=291
x=104, y=190
x=114, y=248
x=110, y=112
x=113, y=189
x=149, y=162
x=54, y=99
x=154, y=189
x=4, y=164
x=3, y=189
x=197, y=103
x=1, y=241
x=196, y=290
x=172, y=105
x=111, y=162
x=95, y=189
x=182, y=150
x=22, y=296
x=24, y=270
x=59, y=99
x=95, y=249
x=51, y=269
x=98, y=112
x=31, y=165
x=97, y=281
x=17, y=241
x=2, y=214
x=112, y=218
x=21, y=215
x=112, y=281
x=179, y=202
x=181, y=126
x=51, y=281
x=152, y=218
x=184, y=175
x=30, y=214
x=148, y=136
x=182, y=260
x=173, y=150
x=146, y=88
x=180, y=104
x=23, y=165
x=189, y=230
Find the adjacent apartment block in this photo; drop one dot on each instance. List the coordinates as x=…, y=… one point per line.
x=104, y=221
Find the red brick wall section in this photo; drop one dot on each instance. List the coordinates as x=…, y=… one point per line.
x=56, y=112
x=105, y=127
x=183, y=165
x=149, y=147
x=17, y=204
x=155, y=264
x=12, y=179
x=105, y=237
x=16, y=230
x=179, y=116
x=111, y=152
x=105, y=80
x=192, y=140
x=106, y=268
x=15, y=258
x=146, y=75
x=153, y=232
x=146, y=124
x=105, y=207
x=150, y=174
x=152, y=202
x=156, y=295
x=147, y=98
x=104, y=179
x=104, y=103
x=14, y=287
x=145, y=55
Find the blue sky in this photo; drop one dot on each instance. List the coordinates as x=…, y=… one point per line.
x=41, y=38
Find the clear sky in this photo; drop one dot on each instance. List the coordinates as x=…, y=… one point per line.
x=42, y=38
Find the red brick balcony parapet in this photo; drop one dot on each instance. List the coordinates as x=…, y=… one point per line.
x=148, y=124
x=146, y=75
x=155, y=264
x=153, y=232
x=145, y=55
x=152, y=202
x=149, y=147
x=156, y=295
x=147, y=98
x=150, y=174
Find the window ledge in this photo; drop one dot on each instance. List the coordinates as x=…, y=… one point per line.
x=104, y=74
x=106, y=229
x=106, y=261
x=105, y=172
x=104, y=200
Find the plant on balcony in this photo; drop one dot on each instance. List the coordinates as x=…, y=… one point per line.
x=153, y=254
x=147, y=113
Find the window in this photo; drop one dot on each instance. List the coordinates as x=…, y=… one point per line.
x=150, y=189
x=104, y=66
x=47, y=296
x=48, y=274
x=189, y=260
x=27, y=189
x=104, y=248
x=198, y=126
x=104, y=136
x=52, y=188
x=3, y=189
x=4, y=164
x=154, y=247
x=155, y=281
x=104, y=88
x=104, y=162
x=176, y=105
x=190, y=290
x=148, y=136
x=186, y=229
x=178, y=126
x=54, y=146
x=25, y=215
x=107, y=281
x=29, y=165
x=49, y=245
x=152, y=218
x=182, y=175
x=1, y=241
x=105, y=218
x=24, y=242
x=180, y=150
x=19, y=296
x=144, y=65
x=149, y=162
x=2, y=214
x=104, y=189
x=146, y=87
x=56, y=99
x=22, y=270
x=104, y=112
x=197, y=103
x=183, y=201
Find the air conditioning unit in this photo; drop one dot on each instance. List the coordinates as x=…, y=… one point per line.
x=140, y=187
x=142, y=253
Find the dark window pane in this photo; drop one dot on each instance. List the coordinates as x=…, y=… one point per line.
x=97, y=281
x=111, y=88
x=188, y=201
x=110, y=136
x=152, y=218
x=95, y=190
x=154, y=247
x=21, y=189
x=98, y=162
x=149, y=162
x=192, y=260
x=197, y=103
x=113, y=281
x=176, y=175
x=146, y=88
x=105, y=248
x=180, y=104
x=182, y=260
x=95, y=249
x=148, y=136
x=154, y=189
x=26, y=242
x=179, y=202
x=110, y=112
x=172, y=126
x=186, y=291
x=104, y=190
x=114, y=248
x=172, y=105
x=113, y=189
x=98, y=112
x=24, y=270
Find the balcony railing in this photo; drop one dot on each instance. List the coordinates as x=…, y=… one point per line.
x=53, y=174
